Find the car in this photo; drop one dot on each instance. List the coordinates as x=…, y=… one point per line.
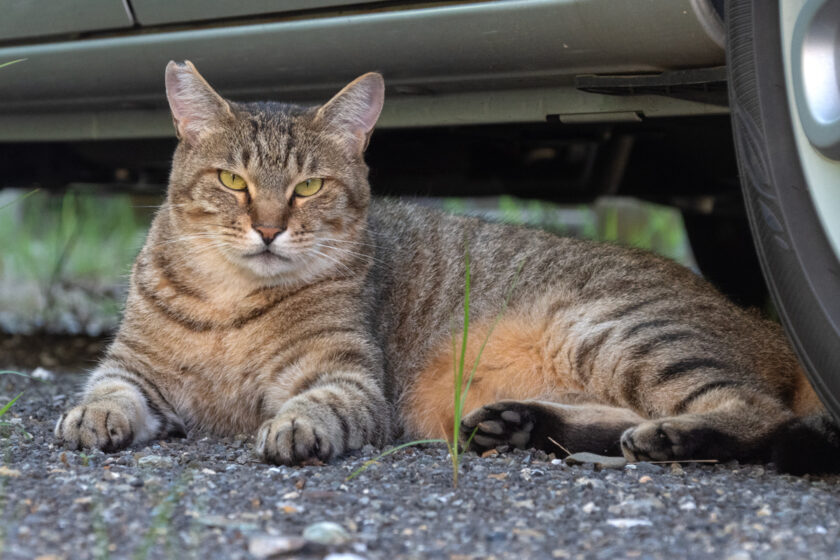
x=730, y=113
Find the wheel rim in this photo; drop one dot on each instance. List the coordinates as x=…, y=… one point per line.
x=810, y=31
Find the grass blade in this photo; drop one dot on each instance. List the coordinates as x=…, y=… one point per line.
x=20, y=198
x=370, y=462
x=11, y=372
x=12, y=62
x=9, y=404
x=492, y=328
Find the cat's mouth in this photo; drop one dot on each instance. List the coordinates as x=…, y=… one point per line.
x=266, y=256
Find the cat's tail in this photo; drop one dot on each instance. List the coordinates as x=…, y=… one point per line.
x=809, y=444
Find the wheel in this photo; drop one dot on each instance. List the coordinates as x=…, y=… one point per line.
x=784, y=87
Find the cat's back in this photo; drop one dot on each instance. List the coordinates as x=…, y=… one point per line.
x=579, y=286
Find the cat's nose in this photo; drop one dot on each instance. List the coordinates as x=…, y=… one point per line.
x=268, y=233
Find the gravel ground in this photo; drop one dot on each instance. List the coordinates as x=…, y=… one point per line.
x=209, y=498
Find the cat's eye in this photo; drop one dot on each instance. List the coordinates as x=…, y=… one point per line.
x=232, y=180
x=308, y=187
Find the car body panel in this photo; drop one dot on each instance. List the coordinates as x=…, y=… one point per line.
x=504, y=53
x=156, y=12
x=24, y=19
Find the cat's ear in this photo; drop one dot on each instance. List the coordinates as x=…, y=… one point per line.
x=196, y=107
x=353, y=111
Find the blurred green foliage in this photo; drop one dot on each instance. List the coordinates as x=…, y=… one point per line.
x=65, y=260
x=66, y=257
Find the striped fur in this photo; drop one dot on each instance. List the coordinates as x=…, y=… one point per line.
x=341, y=334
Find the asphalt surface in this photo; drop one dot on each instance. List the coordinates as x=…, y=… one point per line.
x=203, y=497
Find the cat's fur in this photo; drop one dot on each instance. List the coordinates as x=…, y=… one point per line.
x=341, y=335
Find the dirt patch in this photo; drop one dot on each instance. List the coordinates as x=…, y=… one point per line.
x=53, y=352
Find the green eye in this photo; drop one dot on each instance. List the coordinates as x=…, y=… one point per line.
x=308, y=187
x=232, y=180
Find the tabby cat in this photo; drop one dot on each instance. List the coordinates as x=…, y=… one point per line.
x=273, y=297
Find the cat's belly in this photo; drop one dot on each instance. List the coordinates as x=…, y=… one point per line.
x=222, y=405
x=221, y=384
x=517, y=360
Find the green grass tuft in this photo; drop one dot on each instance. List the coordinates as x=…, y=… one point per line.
x=460, y=387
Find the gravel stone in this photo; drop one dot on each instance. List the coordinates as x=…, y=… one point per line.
x=515, y=504
x=155, y=461
x=265, y=546
x=600, y=461
x=326, y=533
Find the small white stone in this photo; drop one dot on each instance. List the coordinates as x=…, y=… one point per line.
x=155, y=461
x=326, y=533
x=628, y=523
x=589, y=507
x=43, y=374
x=265, y=546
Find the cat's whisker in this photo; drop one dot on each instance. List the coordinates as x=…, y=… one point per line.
x=189, y=237
x=370, y=258
x=349, y=241
x=338, y=262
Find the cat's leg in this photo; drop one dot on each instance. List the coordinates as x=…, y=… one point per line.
x=724, y=423
x=118, y=408
x=584, y=425
x=336, y=406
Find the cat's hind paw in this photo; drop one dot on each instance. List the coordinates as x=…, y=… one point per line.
x=498, y=424
x=97, y=425
x=677, y=438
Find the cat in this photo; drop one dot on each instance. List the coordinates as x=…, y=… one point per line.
x=273, y=297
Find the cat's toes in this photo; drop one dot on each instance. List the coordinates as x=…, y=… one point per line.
x=660, y=440
x=498, y=424
x=95, y=425
x=292, y=439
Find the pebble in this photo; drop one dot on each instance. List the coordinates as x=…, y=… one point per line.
x=265, y=546
x=600, y=461
x=589, y=507
x=406, y=508
x=155, y=461
x=628, y=523
x=646, y=468
x=326, y=533
x=42, y=374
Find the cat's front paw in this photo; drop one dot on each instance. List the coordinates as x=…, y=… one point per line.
x=293, y=438
x=97, y=425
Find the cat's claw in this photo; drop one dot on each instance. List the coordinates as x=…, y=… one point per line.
x=291, y=439
x=98, y=425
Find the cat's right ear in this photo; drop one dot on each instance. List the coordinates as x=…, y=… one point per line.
x=196, y=107
x=352, y=113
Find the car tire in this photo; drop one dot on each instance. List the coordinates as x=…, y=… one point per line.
x=799, y=263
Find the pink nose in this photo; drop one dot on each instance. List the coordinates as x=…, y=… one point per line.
x=268, y=233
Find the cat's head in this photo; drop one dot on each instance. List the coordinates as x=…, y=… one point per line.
x=279, y=191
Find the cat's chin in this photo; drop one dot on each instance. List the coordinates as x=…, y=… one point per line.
x=270, y=269
x=268, y=265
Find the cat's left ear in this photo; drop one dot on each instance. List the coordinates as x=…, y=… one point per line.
x=196, y=107
x=353, y=111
